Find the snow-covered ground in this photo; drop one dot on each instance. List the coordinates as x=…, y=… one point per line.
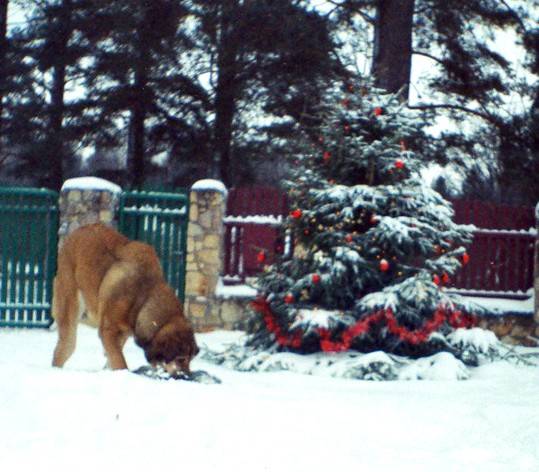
x=84, y=418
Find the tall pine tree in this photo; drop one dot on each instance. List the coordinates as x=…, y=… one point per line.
x=136, y=75
x=262, y=52
x=46, y=119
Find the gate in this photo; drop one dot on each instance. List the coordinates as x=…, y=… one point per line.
x=28, y=238
x=159, y=219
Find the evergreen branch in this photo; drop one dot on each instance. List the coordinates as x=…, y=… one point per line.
x=428, y=56
x=484, y=115
x=515, y=15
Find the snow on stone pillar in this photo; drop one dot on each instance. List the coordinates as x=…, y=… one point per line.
x=87, y=200
x=204, y=252
x=536, y=267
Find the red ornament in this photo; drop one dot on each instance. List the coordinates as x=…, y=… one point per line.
x=346, y=102
x=349, y=238
x=296, y=214
x=436, y=279
x=289, y=298
x=465, y=258
x=374, y=220
x=316, y=278
x=445, y=278
x=261, y=257
x=326, y=155
x=378, y=111
x=384, y=265
x=399, y=164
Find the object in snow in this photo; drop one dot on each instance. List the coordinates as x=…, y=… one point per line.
x=160, y=373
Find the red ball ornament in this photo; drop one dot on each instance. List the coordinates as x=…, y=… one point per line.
x=316, y=278
x=261, y=257
x=326, y=155
x=378, y=111
x=374, y=220
x=289, y=298
x=296, y=214
x=349, y=238
x=445, y=278
x=436, y=279
x=465, y=258
x=384, y=265
x=399, y=164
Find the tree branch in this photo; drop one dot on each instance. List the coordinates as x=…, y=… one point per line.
x=346, y=6
x=428, y=56
x=485, y=116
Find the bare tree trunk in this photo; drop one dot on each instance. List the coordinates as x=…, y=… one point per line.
x=226, y=95
x=137, y=158
x=3, y=50
x=536, y=269
x=57, y=146
x=137, y=154
x=393, y=45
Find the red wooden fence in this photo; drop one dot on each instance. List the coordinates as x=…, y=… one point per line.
x=251, y=230
x=501, y=255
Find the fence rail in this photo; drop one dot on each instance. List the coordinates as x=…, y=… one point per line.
x=486, y=215
x=500, y=261
x=501, y=255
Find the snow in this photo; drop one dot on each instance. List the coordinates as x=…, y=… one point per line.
x=86, y=419
x=227, y=292
x=484, y=341
x=319, y=317
x=503, y=304
x=91, y=183
x=210, y=185
x=255, y=219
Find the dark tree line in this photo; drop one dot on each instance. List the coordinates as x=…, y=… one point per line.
x=153, y=78
x=220, y=88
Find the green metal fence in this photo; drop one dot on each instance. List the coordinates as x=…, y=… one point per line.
x=28, y=239
x=159, y=219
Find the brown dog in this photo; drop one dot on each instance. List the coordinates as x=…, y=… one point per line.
x=122, y=286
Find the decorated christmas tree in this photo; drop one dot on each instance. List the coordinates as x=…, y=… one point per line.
x=372, y=248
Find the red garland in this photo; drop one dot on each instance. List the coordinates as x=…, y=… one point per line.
x=456, y=319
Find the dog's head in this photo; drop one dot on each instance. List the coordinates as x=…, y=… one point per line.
x=173, y=347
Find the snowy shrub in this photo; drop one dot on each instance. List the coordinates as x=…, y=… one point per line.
x=473, y=345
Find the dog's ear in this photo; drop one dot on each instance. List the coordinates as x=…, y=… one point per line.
x=172, y=341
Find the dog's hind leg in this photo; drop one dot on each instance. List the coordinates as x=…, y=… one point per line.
x=65, y=311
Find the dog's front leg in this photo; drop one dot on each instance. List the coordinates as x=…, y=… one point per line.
x=113, y=340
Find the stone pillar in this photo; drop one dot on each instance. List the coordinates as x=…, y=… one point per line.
x=536, y=269
x=204, y=252
x=87, y=200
